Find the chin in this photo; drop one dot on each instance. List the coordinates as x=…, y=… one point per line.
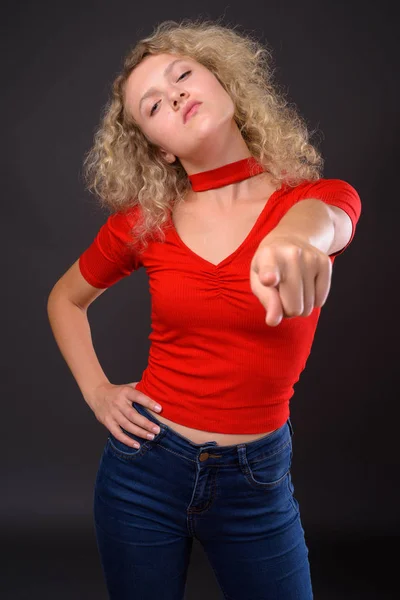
x=208, y=128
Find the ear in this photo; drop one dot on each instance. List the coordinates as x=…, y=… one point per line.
x=168, y=156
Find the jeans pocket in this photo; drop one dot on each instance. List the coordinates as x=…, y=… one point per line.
x=125, y=452
x=292, y=498
x=268, y=469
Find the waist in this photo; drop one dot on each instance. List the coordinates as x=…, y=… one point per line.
x=230, y=415
x=199, y=436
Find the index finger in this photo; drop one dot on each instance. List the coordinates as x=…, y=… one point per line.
x=269, y=297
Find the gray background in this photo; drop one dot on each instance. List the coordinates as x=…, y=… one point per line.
x=337, y=62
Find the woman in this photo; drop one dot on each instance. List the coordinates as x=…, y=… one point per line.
x=215, y=189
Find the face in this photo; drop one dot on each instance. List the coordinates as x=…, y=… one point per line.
x=160, y=89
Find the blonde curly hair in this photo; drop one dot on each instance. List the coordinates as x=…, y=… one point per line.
x=125, y=169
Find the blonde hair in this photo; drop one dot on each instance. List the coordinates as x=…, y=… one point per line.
x=125, y=169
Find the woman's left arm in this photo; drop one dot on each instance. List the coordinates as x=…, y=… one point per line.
x=291, y=270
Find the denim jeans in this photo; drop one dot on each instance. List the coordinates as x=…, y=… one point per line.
x=237, y=501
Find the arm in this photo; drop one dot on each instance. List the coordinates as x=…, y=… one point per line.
x=107, y=260
x=324, y=226
x=291, y=270
x=67, y=307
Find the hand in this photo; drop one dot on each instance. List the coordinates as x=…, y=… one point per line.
x=289, y=276
x=112, y=405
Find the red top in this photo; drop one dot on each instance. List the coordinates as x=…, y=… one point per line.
x=214, y=364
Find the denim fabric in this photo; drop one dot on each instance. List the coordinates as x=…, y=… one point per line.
x=237, y=501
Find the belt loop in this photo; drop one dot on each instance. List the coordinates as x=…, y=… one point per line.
x=289, y=422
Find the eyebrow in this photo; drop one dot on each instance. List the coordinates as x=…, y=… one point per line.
x=167, y=71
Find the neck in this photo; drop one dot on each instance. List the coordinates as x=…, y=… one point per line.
x=223, y=170
x=225, y=146
x=211, y=163
x=232, y=195
x=229, y=183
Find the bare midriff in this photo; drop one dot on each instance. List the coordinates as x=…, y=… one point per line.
x=199, y=436
x=213, y=232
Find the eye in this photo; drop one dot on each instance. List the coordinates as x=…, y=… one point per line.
x=179, y=78
x=185, y=73
x=152, y=109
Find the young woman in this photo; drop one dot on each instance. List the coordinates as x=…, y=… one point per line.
x=215, y=189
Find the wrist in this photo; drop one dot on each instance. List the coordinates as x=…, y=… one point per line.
x=91, y=395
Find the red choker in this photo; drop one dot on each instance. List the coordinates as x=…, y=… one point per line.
x=225, y=175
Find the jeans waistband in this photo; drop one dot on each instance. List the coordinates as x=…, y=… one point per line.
x=176, y=442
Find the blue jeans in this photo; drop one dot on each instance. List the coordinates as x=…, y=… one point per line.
x=237, y=501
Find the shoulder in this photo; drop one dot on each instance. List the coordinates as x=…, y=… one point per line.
x=121, y=222
x=324, y=186
x=336, y=192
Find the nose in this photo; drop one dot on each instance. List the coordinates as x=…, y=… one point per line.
x=177, y=98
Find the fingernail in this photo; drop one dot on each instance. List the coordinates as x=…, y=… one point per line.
x=157, y=407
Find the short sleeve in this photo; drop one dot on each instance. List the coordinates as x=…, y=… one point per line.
x=109, y=258
x=338, y=193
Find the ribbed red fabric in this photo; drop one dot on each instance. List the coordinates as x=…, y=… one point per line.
x=214, y=364
x=226, y=174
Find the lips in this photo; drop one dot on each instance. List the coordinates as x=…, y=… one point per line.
x=188, y=110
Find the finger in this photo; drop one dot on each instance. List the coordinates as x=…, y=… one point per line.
x=323, y=281
x=274, y=310
x=123, y=437
x=269, y=298
x=309, y=280
x=269, y=275
x=309, y=273
x=291, y=290
x=142, y=424
x=142, y=399
x=128, y=427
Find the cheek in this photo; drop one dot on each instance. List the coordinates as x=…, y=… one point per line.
x=219, y=91
x=158, y=129
x=165, y=128
x=222, y=101
x=165, y=132
x=228, y=102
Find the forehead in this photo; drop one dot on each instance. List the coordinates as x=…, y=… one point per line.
x=148, y=72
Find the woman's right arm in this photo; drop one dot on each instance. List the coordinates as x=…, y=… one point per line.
x=67, y=307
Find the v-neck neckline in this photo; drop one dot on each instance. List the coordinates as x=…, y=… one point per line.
x=271, y=200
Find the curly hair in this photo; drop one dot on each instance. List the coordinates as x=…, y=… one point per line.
x=125, y=169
